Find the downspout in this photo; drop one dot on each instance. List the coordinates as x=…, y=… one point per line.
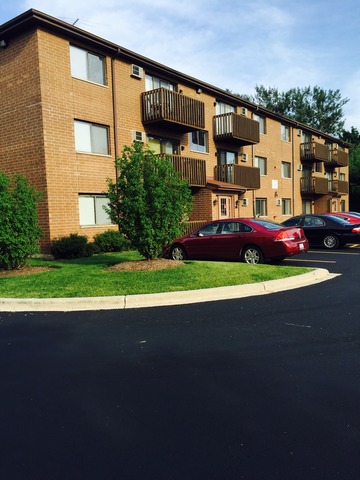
x=115, y=123
x=293, y=170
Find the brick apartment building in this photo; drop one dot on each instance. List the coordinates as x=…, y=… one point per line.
x=70, y=101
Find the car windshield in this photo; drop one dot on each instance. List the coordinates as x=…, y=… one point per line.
x=268, y=225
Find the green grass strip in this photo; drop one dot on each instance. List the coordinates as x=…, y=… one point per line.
x=89, y=277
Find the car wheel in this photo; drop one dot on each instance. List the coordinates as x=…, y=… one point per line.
x=331, y=241
x=177, y=252
x=252, y=255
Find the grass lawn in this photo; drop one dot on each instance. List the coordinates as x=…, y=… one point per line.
x=89, y=277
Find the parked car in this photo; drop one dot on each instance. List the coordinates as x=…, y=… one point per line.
x=248, y=240
x=326, y=230
x=345, y=216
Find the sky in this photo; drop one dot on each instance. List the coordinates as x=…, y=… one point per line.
x=231, y=44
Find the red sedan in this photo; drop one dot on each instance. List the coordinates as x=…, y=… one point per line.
x=248, y=240
x=346, y=216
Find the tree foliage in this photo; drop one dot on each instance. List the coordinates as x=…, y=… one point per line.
x=19, y=231
x=148, y=201
x=316, y=107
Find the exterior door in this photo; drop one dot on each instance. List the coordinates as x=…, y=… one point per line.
x=224, y=207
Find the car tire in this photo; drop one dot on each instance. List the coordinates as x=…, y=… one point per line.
x=177, y=252
x=252, y=254
x=331, y=241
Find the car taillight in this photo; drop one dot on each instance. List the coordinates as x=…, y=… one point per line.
x=356, y=230
x=290, y=234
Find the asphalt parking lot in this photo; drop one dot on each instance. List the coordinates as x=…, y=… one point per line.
x=264, y=387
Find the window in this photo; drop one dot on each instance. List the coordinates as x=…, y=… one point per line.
x=342, y=177
x=92, y=211
x=306, y=206
x=91, y=138
x=199, y=141
x=342, y=205
x=87, y=65
x=319, y=167
x=261, y=162
x=285, y=133
x=286, y=206
x=262, y=123
x=223, y=108
x=226, y=158
x=286, y=169
x=163, y=146
x=151, y=83
x=261, y=207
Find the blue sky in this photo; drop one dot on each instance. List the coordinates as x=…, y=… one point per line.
x=232, y=44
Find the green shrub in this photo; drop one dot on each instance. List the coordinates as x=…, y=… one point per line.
x=19, y=231
x=72, y=246
x=111, y=241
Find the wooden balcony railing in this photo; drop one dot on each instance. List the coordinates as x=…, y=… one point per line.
x=316, y=185
x=235, y=128
x=192, y=169
x=165, y=107
x=247, y=177
x=338, y=186
x=314, y=152
x=338, y=158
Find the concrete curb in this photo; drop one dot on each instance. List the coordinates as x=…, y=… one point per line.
x=164, y=299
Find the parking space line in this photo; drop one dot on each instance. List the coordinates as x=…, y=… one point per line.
x=312, y=261
x=334, y=252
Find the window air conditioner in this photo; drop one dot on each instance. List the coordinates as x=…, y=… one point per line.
x=299, y=132
x=138, y=136
x=136, y=71
x=244, y=157
x=245, y=202
x=243, y=111
x=278, y=202
x=300, y=167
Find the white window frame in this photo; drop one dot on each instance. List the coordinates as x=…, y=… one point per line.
x=286, y=169
x=87, y=65
x=286, y=206
x=261, y=163
x=152, y=83
x=91, y=211
x=285, y=133
x=199, y=141
x=91, y=138
x=261, y=207
x=222, y=108
x=262, y=123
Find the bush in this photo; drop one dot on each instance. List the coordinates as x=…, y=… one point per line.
x=72, y=246
x=19, y=231
x=111, y=241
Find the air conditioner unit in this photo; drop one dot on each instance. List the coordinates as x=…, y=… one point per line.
x=299, y=132
x=278, y=202
x=138, y=136
x=136, y=71
x=243, y=111
x=245, y=202
x=300, y=167
x=244, y=157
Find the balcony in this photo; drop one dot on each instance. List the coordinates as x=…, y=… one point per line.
x=314, y=152
x=338, y=186
x=237, y=129
x=338, y=158
x=247, y=177
x=163, y=107
x=314, y=185
x=191, y=169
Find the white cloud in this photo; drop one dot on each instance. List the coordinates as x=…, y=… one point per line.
x=235, y=44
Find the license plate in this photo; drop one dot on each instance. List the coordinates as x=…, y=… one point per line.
x=301, y=246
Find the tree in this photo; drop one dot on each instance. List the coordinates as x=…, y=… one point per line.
x=353, y=137
x=19, y=232
x=315, y=107
x=148, y=201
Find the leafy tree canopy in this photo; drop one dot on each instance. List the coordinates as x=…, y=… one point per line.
x=149, y=200
x=316, y=107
